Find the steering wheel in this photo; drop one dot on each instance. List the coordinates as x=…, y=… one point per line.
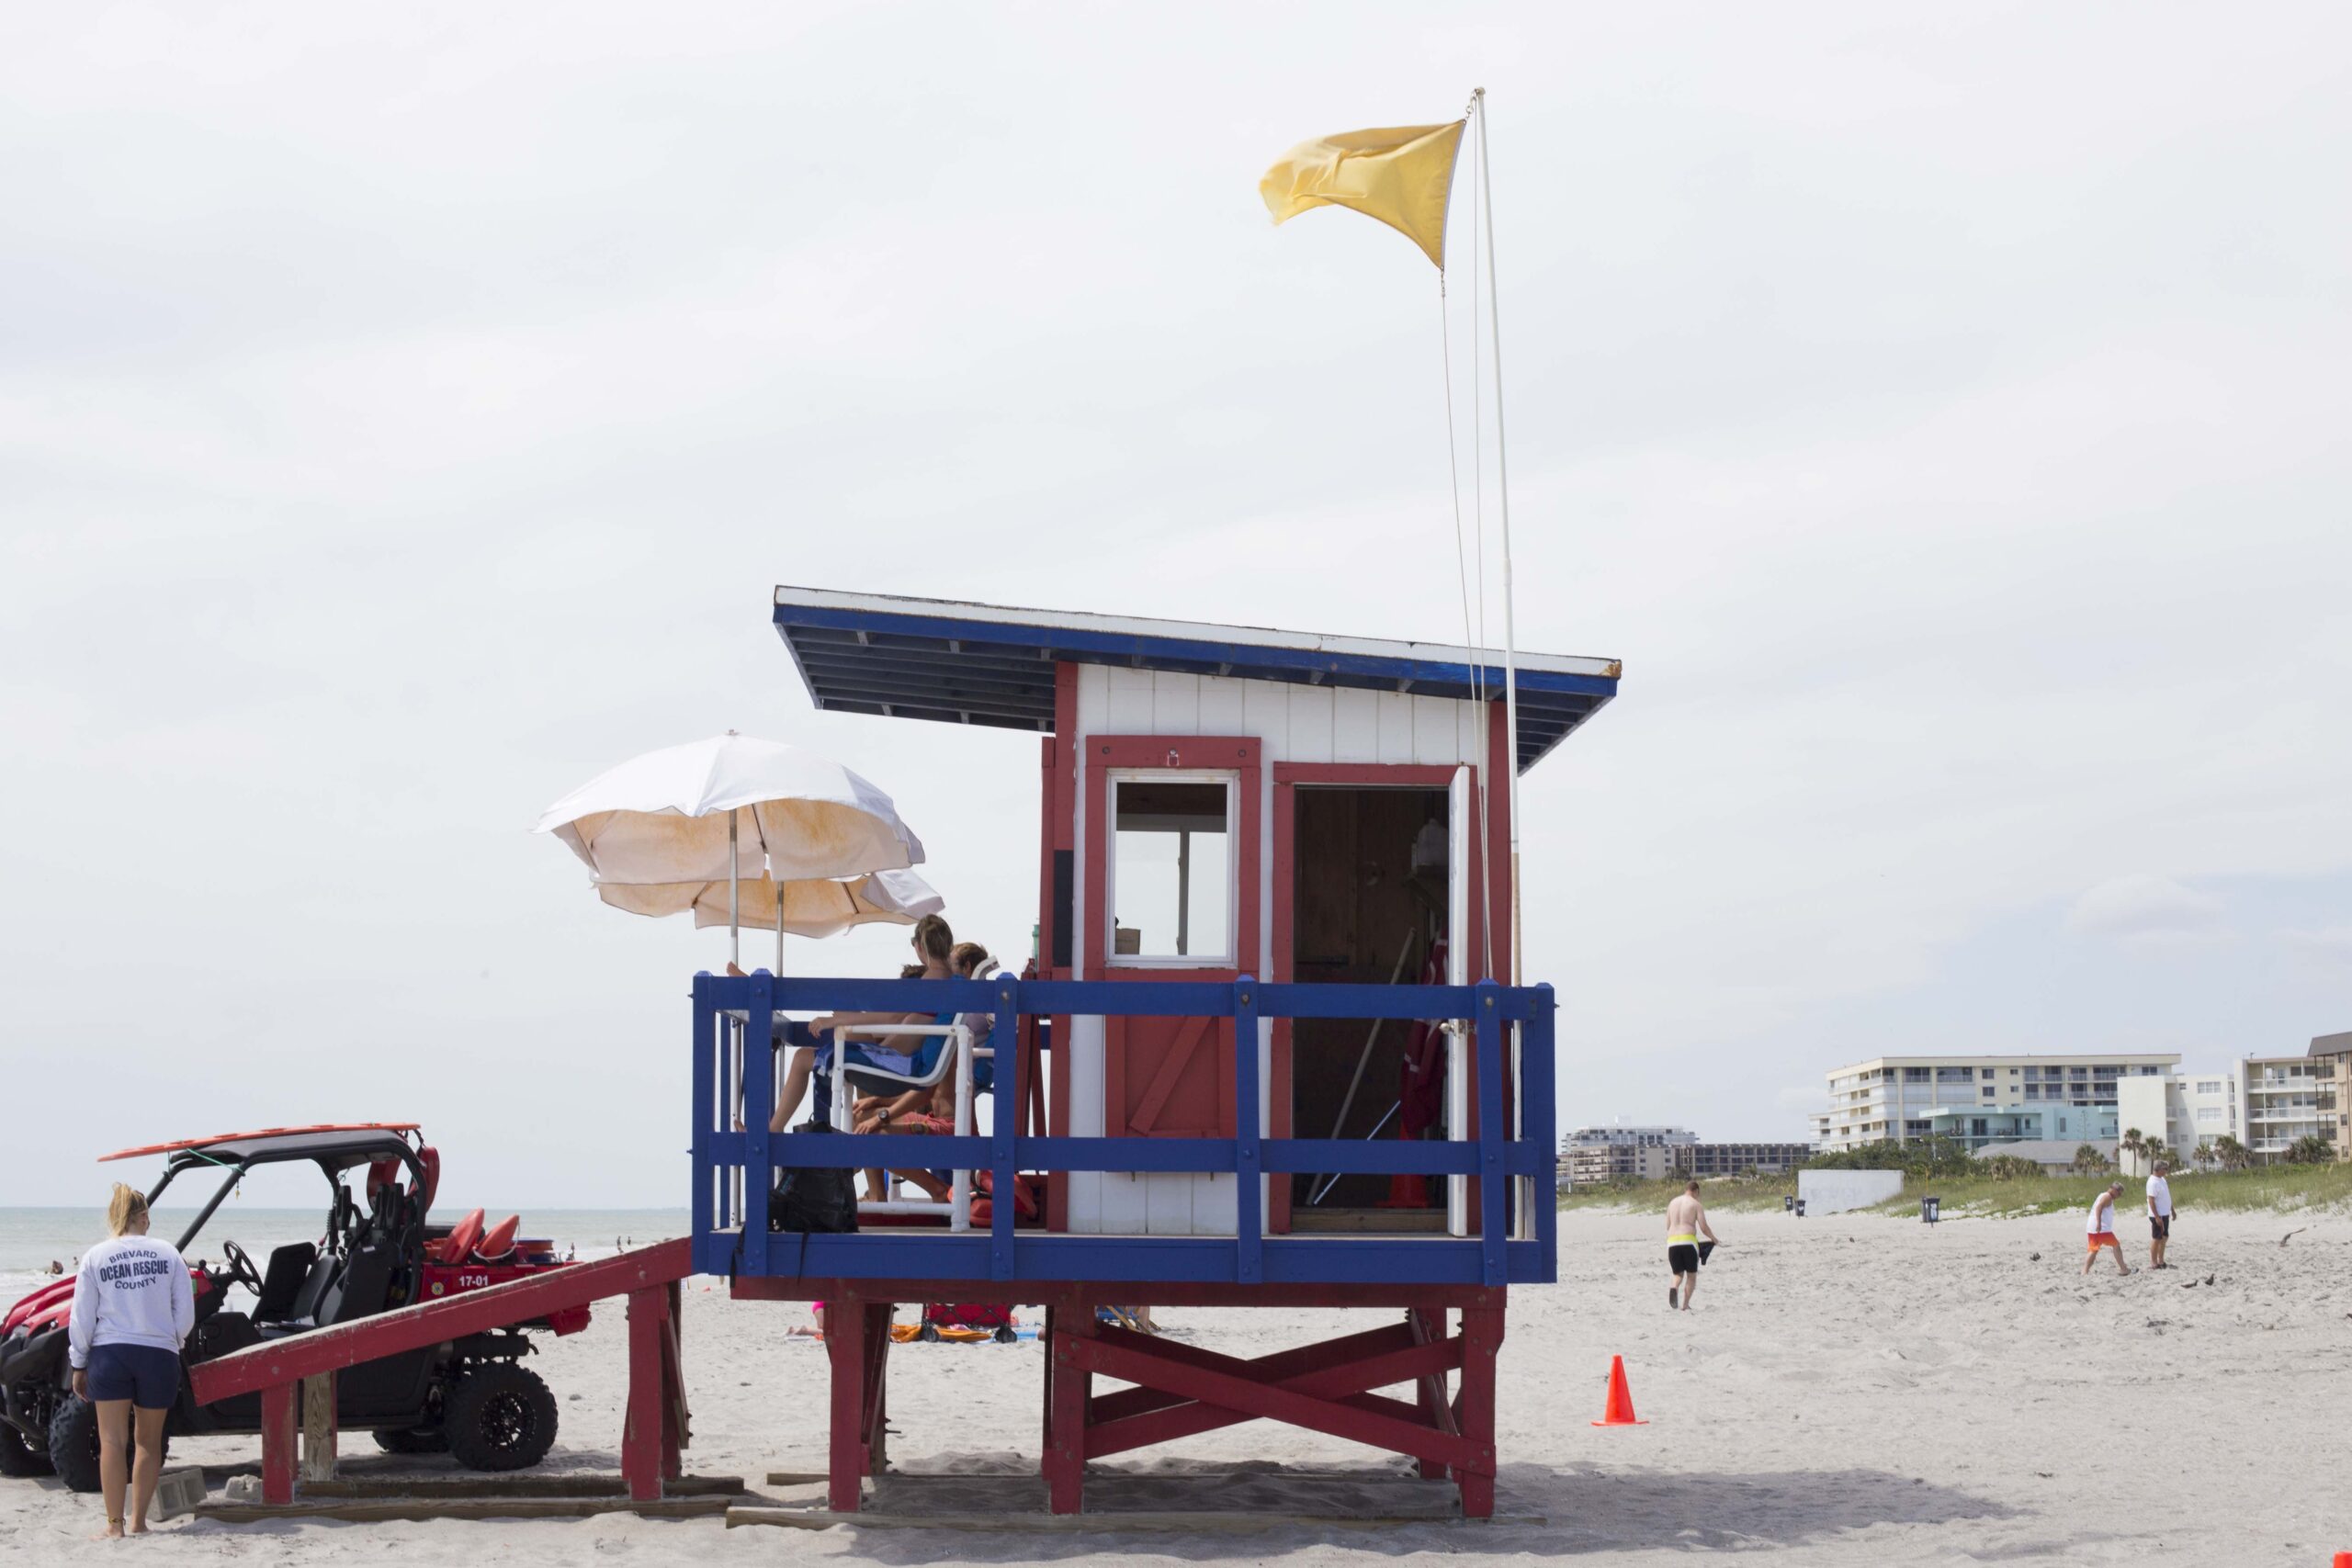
x=241, y=1268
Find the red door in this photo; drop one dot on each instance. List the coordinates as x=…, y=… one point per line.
x=1172, y=877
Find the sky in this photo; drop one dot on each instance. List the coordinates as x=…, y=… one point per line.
x=405, y=416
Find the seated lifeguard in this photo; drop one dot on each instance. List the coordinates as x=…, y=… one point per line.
x=927, y=1109
x=933, y=941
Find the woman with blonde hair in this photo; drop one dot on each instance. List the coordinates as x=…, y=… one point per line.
x=133, y=1306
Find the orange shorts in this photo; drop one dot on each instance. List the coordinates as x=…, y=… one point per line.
x=2102, y=1238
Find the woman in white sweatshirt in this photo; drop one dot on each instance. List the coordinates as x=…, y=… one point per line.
x=132, y=1308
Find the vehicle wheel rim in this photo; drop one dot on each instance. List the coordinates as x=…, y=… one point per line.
x=506, y=1420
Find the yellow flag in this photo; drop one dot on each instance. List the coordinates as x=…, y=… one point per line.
x=1402, y=177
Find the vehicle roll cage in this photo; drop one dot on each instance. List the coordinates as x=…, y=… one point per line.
x=332, y=1162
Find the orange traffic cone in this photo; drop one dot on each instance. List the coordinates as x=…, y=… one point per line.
x=1620, y=1412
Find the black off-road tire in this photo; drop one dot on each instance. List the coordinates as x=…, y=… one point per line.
x=413, y=1441
x=73, y=1444
x=499, y=1417
x=21, y=1460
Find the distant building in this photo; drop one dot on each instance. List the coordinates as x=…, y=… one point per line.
x=2179, y=1113
x=2290, y=1097
x=1705, y=1160
x=1978, y=1101
x=2056, y=1156
x=1621, y=1154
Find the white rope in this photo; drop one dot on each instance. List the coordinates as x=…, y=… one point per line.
x=1478, y=519
x=1502, y=495
x=1454, y=475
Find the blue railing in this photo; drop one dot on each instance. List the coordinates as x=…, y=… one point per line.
x=734, y=1168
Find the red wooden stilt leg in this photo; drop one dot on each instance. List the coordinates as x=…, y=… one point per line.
x=876, y=1393
x=1482, y=1335
x=674, y=1389
x=1066, y=1417
x=845, y=1324
x=1429, y=1391
x=649, y=1394
x=278, y=1426
x=1045, y=1419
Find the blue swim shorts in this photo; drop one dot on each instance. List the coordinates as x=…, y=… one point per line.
x=148, y=1376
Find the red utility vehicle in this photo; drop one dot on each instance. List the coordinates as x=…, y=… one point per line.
x=471, y=1397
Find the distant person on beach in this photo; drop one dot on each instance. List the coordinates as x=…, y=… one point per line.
x=134, y=1306
x=1686, y=1220
x=55, y=1267
x=2159, y=1216
x=2101, y=1228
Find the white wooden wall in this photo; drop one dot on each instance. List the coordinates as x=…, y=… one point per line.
x=1295, y=724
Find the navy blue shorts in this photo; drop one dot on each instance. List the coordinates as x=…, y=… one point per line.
x=142, y=1375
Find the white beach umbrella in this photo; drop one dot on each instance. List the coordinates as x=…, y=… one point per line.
x=729, y=809
x=815, y=907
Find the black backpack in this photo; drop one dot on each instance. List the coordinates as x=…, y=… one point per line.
x=807, y=1198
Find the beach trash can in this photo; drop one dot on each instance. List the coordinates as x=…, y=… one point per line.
x=1800, y=1208
x=1928, y=1208
x=1788, y=1200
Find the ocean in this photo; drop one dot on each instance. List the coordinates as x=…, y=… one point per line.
x=31, y=1239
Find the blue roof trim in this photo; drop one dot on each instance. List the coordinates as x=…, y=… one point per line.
x=1000, y=673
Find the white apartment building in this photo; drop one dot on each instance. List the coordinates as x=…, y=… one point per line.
x=2183, y=1112
x=1982, y=1099
x=2287, y=1098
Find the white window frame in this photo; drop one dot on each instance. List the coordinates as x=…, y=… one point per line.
x=1231, y=779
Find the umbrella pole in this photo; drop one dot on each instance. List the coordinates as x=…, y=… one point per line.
x=734, y=905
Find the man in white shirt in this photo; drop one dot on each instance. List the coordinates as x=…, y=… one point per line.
x=2159, y=1216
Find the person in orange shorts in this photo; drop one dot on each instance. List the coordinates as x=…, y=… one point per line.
x=2100, y=1229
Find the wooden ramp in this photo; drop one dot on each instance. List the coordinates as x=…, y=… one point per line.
x=300, y=1368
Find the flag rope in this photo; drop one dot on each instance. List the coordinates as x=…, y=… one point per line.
x=1453, y=477
x=1478, y=525
x=1502, y=498
x=1461, y=569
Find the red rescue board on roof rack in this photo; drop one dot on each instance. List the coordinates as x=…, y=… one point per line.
x=260, y=1133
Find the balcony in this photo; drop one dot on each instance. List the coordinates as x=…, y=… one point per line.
x=1504, y=1218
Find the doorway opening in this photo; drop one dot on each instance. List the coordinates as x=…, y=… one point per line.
x=1369, y=905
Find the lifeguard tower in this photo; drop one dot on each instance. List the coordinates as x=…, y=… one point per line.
x=1272, y=866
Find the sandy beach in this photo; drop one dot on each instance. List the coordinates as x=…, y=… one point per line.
x=1848, y=1390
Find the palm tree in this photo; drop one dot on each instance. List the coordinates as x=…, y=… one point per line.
x=2234, y=1154
x=2088, y=1161
x=2311, y=1149
x=2134, y=1142
x=2206, y=1154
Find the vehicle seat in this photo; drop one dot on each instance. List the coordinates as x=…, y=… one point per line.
x=303, y=1312
x=366, y=1280
x=283, y=1280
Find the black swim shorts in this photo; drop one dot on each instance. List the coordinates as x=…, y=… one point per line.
x=1682, y=1258
x=2160, y=1227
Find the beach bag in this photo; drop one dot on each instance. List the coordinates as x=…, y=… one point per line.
x=967, y=1314
x=810, y=1200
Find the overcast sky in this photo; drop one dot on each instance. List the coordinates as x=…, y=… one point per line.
x=406, y=414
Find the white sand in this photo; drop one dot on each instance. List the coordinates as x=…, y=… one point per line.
x=1852, y=1390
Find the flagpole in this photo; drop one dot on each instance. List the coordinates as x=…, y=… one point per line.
x=1502, y=466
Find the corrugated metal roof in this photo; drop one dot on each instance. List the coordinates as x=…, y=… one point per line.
x=2330, y=1045
x=964, y=663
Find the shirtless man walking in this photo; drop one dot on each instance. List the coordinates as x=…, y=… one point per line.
x=1686, y=1220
